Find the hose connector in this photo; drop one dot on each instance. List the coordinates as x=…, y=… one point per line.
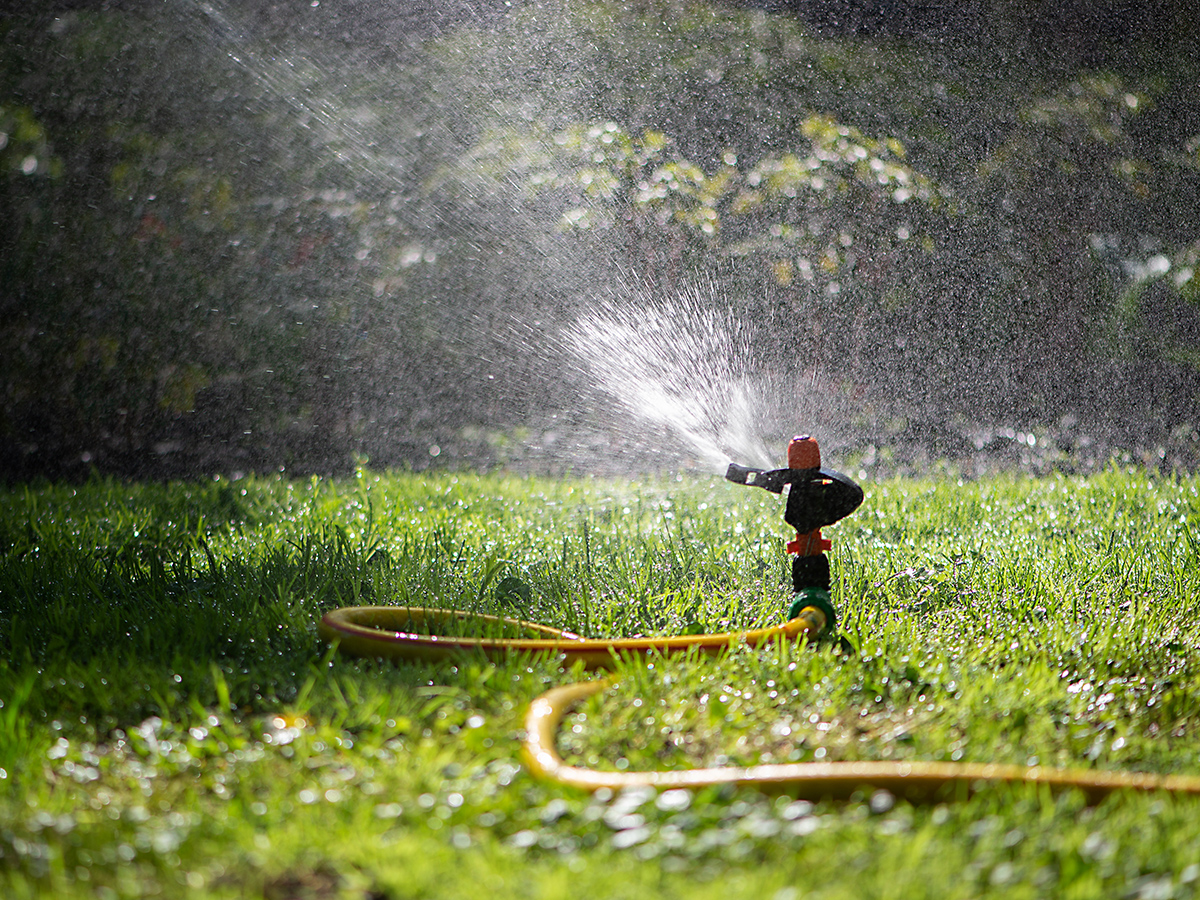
x=817, y=598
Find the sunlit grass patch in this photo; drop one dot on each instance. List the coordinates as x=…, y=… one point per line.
x=172, y=724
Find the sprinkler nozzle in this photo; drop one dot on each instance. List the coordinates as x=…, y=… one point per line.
x=771, y=481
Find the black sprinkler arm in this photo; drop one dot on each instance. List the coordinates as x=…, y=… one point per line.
x=818, y=496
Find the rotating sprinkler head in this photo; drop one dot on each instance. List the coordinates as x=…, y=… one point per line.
x=816, y=498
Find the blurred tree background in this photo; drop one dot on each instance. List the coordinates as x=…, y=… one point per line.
x=303, y=233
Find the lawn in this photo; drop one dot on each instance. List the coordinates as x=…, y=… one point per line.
x=171, y=725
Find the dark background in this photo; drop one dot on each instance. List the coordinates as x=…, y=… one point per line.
x=274, y=235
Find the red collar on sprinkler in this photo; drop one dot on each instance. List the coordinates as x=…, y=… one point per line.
x=804, y=453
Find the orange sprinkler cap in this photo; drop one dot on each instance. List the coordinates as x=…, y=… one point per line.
x=809, y=544
x=803, y=453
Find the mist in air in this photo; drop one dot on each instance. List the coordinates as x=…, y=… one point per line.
x=596, y=237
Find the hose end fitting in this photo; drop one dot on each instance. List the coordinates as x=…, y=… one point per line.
x=819, y=598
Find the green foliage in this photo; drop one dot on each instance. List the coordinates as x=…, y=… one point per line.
x=23, y=147
x=807, y=214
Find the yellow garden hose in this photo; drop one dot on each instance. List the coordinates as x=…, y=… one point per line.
x=389, y=632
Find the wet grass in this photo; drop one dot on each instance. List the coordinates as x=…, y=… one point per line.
x=172, y=726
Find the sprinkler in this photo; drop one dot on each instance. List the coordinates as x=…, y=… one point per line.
x=816, y=498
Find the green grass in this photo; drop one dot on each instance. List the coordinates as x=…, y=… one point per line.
x=172, y=726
